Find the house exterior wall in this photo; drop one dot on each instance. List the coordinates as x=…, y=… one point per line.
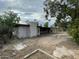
x=38, y=31
x=33, y=29
x=22, y=32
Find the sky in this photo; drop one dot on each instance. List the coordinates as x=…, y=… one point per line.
x=26, y=9
x=29, y=7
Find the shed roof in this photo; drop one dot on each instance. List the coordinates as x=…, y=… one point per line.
x=25, y=23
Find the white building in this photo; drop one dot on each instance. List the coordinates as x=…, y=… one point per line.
x=27, y=29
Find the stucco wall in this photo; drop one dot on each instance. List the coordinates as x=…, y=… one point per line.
x=33, y=29
x=38, y=31
x=23, y=32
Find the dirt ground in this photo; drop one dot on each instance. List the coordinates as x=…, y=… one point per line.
x=50, y=43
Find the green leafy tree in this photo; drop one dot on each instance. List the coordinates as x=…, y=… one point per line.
x=46, y=24
x=62, y=9
x=7, y=23
x=56, y=9
x=73, y=30
x=70, y=7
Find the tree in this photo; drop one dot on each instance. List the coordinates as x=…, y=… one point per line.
x=61, y=9
x=7, y=23
x=46, y=24
x=55, y=9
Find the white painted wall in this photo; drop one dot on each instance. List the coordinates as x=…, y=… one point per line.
x=27, y=31
x=23, y=32
x=38, y=29
x=33, y=29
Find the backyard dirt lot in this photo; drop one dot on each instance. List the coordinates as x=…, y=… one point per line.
x=58, y=45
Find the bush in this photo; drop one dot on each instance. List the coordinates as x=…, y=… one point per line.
x=46, y=25
x=7, y=23
x=74, y=30
x=4, y=33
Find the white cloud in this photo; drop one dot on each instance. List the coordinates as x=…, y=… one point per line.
x=10, y=0
x=52, y=0
x=7, y=0
x=28, y=15
x=18, y=12
x=24, y=5
x=29, y=6
x=36, y=15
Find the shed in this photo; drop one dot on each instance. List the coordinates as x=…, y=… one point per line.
x=24, y=30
